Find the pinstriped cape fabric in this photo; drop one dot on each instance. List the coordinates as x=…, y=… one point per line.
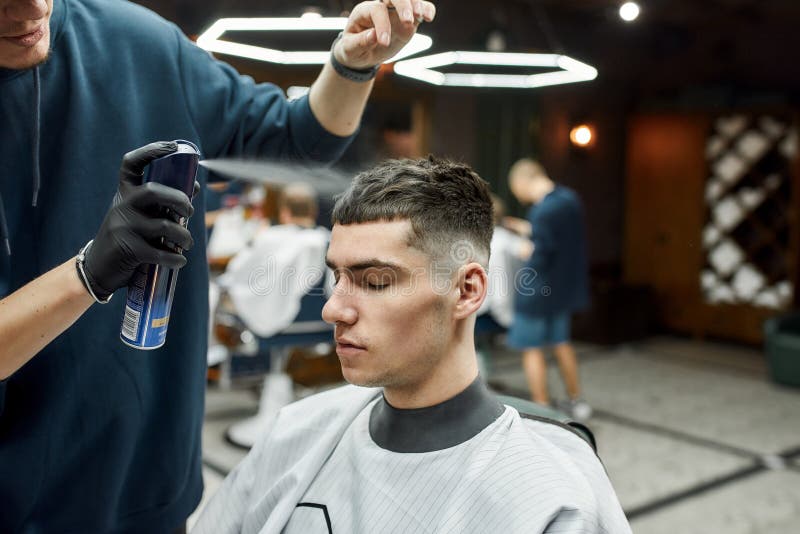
x=319, y=471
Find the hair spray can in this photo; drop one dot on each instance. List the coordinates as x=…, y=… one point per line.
x=150, y=291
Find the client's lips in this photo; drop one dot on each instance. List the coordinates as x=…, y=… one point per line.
x=346, y=342
x=27, y=39
x=347, y=347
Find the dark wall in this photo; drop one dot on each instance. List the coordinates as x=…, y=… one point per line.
x=453, y=123
x=597, y=172
x=492, y=130
x=682, y=55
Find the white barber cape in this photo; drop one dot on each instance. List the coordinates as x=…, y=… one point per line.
x=266, y=280
x=504, y=264
x=232, y=232
x=318, y=471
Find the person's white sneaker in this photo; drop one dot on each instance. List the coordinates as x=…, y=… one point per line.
x=217, y=354
x=580, y=410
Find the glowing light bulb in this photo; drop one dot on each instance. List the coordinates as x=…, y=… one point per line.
x=581, y=135
x=629, y=11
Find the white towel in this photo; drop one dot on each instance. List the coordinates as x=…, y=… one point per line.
x=504, y=263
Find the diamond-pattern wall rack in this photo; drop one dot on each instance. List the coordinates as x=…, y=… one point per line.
x=746, y=236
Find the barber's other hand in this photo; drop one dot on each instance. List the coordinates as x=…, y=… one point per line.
x=376, y=31
x=137, y=225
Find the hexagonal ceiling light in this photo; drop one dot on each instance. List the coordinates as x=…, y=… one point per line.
x=210, y=39
x=422, y=68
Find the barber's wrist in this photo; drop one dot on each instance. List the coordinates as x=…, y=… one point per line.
x=72, y=282
x=336, y=50
x=100, y=295
x=350, y=73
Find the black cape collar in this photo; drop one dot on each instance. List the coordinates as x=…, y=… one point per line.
x=438, y=427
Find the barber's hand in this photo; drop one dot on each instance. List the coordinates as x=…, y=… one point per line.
x=377, y=30
x=137, y=225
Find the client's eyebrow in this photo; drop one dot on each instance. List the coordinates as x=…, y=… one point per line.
x=366, y=264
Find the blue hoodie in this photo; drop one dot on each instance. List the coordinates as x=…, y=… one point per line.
x=95, y=436
x=555, y=280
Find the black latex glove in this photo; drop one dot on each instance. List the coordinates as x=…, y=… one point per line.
x=138, y=224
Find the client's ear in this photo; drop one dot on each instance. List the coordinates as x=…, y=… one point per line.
x=472, y=285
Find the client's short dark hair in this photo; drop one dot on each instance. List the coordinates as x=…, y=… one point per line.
x=447, y=203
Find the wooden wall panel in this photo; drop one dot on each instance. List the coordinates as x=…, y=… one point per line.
x=665, y=185
x=664, y=212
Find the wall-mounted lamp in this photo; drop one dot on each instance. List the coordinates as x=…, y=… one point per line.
x=582, y=135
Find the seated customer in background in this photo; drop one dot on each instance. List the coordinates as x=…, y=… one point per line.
x=267, y=279
x=509, y=251
x=423, y=445
x=266, y=283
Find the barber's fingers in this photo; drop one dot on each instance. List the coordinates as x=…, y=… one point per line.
x=173, y=260
x=134, y=162
x=413, y=10
x=355, y=45
x=367, y=26
x=147, y=253
x=162, y=231
x=405, y=9
x=427, y=11
x=151, y=196
x=375, y=32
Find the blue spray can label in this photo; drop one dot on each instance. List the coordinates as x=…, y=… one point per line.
x=150, y=291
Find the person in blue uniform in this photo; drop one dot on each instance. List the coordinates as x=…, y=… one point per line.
x=554, y=283
x=95, y=436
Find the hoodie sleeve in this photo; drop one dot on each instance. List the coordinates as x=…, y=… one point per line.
x=236, y=116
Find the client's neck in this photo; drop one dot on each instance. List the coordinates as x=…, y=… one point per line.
x=451, y=375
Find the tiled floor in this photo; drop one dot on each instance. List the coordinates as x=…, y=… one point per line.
x=686, y=430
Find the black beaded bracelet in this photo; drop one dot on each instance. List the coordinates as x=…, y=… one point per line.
x=355, y=75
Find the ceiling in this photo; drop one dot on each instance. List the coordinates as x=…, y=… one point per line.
x=712, y=45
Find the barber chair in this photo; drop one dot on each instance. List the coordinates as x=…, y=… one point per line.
x=307, y=330
x=534, y=410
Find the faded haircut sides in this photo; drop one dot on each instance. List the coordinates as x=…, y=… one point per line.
x=447, y=203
